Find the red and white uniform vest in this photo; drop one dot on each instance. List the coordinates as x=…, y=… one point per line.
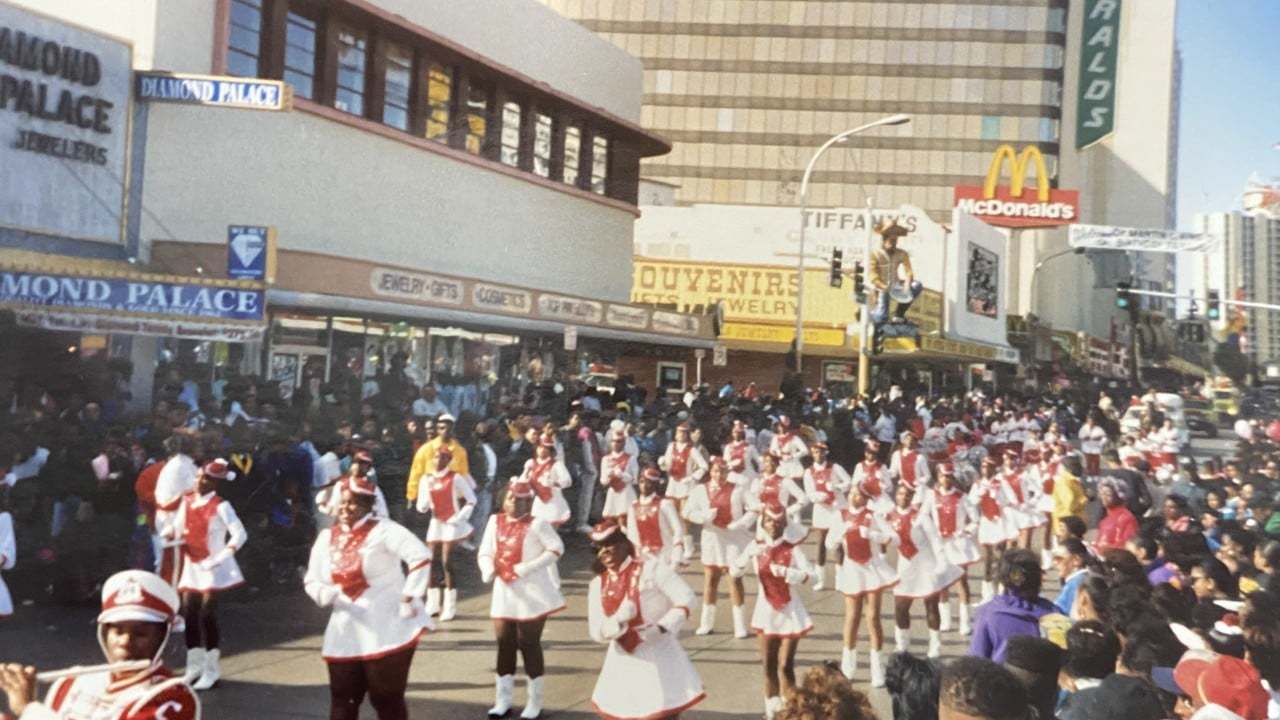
x=519, y=555
x=446, y=495
x=827, y=487
x=653, y=526
x=993, y=498
x=548, y=478
x=211, y=535
x=862, y=533
x=876, y=477
x=790, y=447
x=952, y=516
x=618, y=473
x=775, y=490
x=721, y=509
x=912, y=469
x=779, y=611
x=923, y=568
x=685, y=467
x=152, y=695
x=743, y=461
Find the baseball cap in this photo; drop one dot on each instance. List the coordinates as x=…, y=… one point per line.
x=1118, y=696
x=1222, y=680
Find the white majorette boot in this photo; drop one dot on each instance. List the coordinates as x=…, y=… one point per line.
x=849, y=662
x=708, y=620
x=1046, y=560
x=211, y=673
x=965, y=628
x=877, y=670
x=450, y=609
x=503, y=687
x=988, y=591
x=533, y=703
x=935, y=644
x=772, y=706
x=740, y=629
x=195, y=665
x=944, y=609
x=688, y=548
x=433, y=601
x=901, y=638
x=820, y=583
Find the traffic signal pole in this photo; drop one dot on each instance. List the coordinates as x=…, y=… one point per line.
x=1240, y=303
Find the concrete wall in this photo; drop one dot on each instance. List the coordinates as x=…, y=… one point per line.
x=130, y=20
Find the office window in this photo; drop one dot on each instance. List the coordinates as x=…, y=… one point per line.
x=510, y=134
x=395, y=106
x=572, y=148
x=439, y=95
x=477, y=117
x=349, y=96
x=990, y=128
x=542, y=131
x=244, y=42
x=599, y=164
x=300, y=55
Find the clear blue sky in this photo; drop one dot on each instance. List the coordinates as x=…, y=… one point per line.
x=1230, y=100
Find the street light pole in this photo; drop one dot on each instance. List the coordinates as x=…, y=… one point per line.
x=1035, y=271
x=898, y=119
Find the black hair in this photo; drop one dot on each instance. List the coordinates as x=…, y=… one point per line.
x=1270, y=553
x=1172, y=603
x=1242, y=537
x=1076, y=548
x=617, y=538
x=1020, y=573
x=1098, y=588
x=1262, y=642
x=1092, y=649
x=1185, y=550
x=980, y=687
x=1180, y=502
x=1150, y=643
x=1220, y=574
x=913, y=685
x=1074, y=525
x=1127, y=605
x=1146, y=544
x=1122, y=566
x=1036, y=662
x=1222, y=496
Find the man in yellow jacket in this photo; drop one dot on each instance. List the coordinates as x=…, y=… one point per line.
x=424, y=461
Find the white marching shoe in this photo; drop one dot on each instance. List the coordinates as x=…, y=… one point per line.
x=965, y=628
x=944, y=609
x=533, y=703
x=849, y=662
x=877, y=670
x=708, y=620
x=688, y=548
x=772, y=706
x=935, y=644
x=504, y=686
x=901, y=639
x=988, y=591
x=433, y=602
x=740, y=629
x=820, y=583
x=450, y=608
x=195, y=665
x=211, y=673
x=1046, y=560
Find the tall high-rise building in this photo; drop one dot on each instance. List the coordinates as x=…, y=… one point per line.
x=1247, y=262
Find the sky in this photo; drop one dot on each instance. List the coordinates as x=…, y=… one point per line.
x=1230, y=101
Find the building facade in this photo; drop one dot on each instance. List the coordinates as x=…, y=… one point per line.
x=1246, y=265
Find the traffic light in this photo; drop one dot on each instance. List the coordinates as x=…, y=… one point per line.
x=1213, y=306
x=1124, y=299
x=877, y=341
x=859, y=284
x=837, y=268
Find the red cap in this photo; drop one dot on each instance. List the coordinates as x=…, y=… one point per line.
x=946, y=468
x=218, y=469
x=873, y=444
x=362, y=456
x=360, y=485
x=444, y=451
x=604, y=530
x=520, y=488
x=651, y=473
x=1225, y=681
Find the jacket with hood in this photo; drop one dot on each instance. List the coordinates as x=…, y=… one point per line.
x=1002, y=618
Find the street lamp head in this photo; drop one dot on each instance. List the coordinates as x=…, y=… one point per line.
x=899, y=119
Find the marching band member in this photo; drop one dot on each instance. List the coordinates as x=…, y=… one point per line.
x=637, y=606
x=1168, y=442
x=923, y=571
x=330, y=497
x=907, y=465
x=177, y=478
x=720, y=506
x=992, y=496
x=1021, y=513
x=518, y=555
x=653, y=522
x=377, y=616
x=825, y=485
x=618, y=471
x=1050, y=463
x=741, y=455
x=139, y=612
x=1093, y=440
x=772, y=488
x=685, y=468
x=949, y=509
x=861, y=577
x=8, y=552
x=211, y=534
x=779, y=618
x=873, y=476
x=548, y=477
x=448, y=496
x=789, y=447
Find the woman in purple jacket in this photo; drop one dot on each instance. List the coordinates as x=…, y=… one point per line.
x=1016, y=611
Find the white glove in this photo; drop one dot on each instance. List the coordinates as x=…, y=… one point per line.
x=463, y=516
x=409, y=609
x=651, y=632
x=521, y=569
x=611, y=628
x=796, y=577
x=864, y=531
x=778, y=571
x=327, y=595
x=743, y=523
x=626, y=612
x=486, y=575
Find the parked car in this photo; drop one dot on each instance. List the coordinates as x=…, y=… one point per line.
x=1201, y=417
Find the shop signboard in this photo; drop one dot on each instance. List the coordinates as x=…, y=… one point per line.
x=501, y=298
x=407, y=285
x=251, y=253
x=93, y=323
x=977, y=290
x=132, y=294
x=627, y=316
x=1099, y=56
x=570, y=338
x=558, y=307
x=1008, y=206
x=213, y=90
x=1107, y=237
x=64, y=126
x=720, y=355
x=675, y=323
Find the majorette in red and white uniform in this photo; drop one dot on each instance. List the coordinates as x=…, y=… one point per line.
x=862, y=533
x=548, y=477
x=356, y=570
x=151, y=694
x=781, y=567
x=740, y=456
x=211, y=534
x=519, y=556
x=1016, y=511
x=923, y=568
x=1130, y=454
x=1049, y=466
x=789, y=447
x=992, y=496
x=653, y=523
x=8, y=558
x=773, y=488
x=908, y=465
x=1164, y=455
x=618, y=473
x=448, y=496
x=1093, y=440
x=177, y=478
x=684, y=464
x=826, y=485
x=952, y=516
x=638, y=609
x=873, y=476
x=720, y=507
x=328, y=498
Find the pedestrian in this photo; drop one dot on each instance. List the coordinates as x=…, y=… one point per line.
x=548, y=478
x=720, y=506
x=210, y=534
x=861, y=577
x=330, y=497
x=637, y=606
x=975, y=688
x=8, y=551
x=924, y=572
x=789, y=447
x=448, y=496
x=653, y=522
x=518, y=555
x=1118, y=525
x=618, y=472
x=951, y=513
x=1093, y=440
x=685, y=467
x=139, y=614
x=1016, y=611
x=1024, y=487
x=741, y=455
x=357, y=569
x=910, y=466
x=1049, y=466
x=424, y=458
x=772, y=488
x=177, y=478
x=872, y=475
x=826, y=485
x=780, y=618
x=991, y=495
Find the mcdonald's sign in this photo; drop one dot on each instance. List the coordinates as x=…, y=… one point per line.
x=1008, y=205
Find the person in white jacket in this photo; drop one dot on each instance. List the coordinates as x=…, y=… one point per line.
x=740, y=455
x=720, y=507
x=825, y=485
x=618, y=473
x=210, y=534
x=951, y=512
x=518, y=554
x=862, y=576
x=357, y=568
x=685, y=467
x=909, y=466
x=8, y=552
x=177, y=478
x=637, y=606
x=1093, y=440
x=873, y=475
x=991, y=495
x=653, y=521
x=328, y=497
x=548, y=477
x=923, y=571
x=449, y=497
x=789, y=447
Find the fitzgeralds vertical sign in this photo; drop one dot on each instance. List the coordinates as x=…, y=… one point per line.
x=1099, y=53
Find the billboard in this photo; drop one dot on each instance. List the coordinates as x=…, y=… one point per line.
x=1008, y=206
x=1107, y=237
x=1099, y=55
x=977, y=291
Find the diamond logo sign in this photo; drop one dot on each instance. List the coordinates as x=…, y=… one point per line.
x=247, y=252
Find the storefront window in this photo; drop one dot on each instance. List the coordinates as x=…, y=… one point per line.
x=349, y=96
x=300, y=55
x=572, y=149
x=244, y=42
x=477, y=117
x=542, y=145
x=511, y=134
x=395, y=107
x=599, y=164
